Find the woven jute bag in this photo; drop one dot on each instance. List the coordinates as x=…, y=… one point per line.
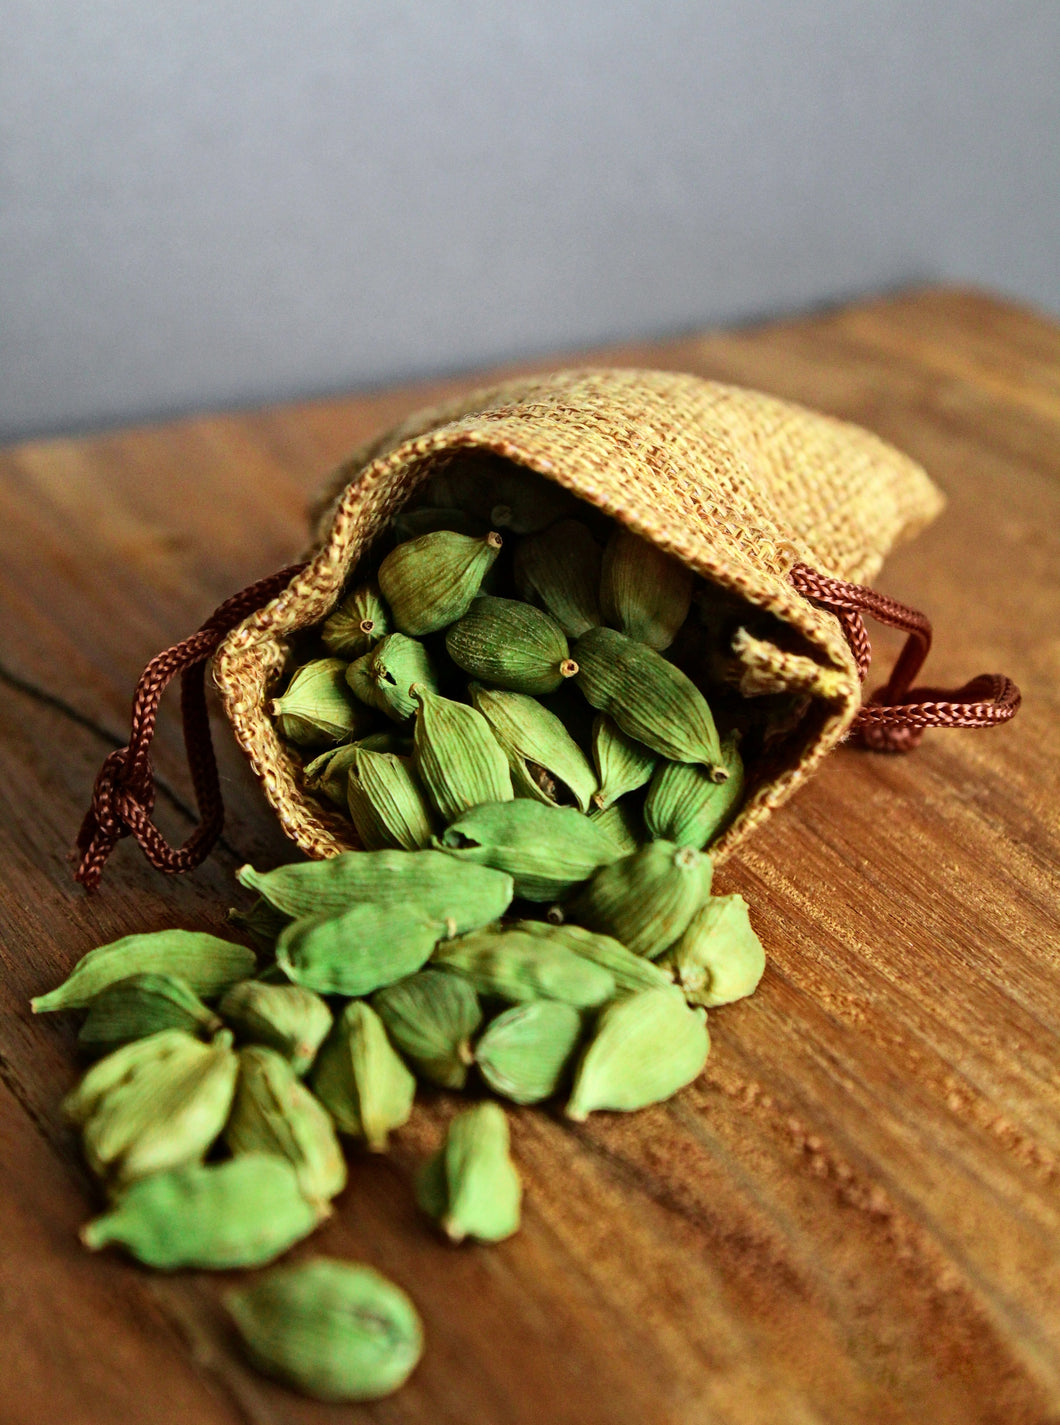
x=788, y=510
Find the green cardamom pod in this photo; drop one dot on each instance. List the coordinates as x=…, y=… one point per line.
x=242, y=1213
x=719, y=958
x=510, y=645
x=357, y=623
x=623, y=823
x=360, y=949
x=514, y=966
x=360, y=1078
x=410, y=524
x=546, y=763
x=162, y=1113
x=141, y=1005
x=622, y=764
x=205, y=963
x=645, y=1047
x=387, y=805
x=546, y=850
x=526, y=1051
x=458, y=759
x=290, y=1019
x=167, y=1046
x=382, y=678
x=644, y=592
x=651, y=700
x=630, y=972
x=647, y=899
x=273, y=1112
x=429, y=582
x=443, y=888
x=685, y=805
x=316, y=710
x=329, y=773
x=431, y=1018
x=262, y=923
x=506, y=495
x=471, y=1186
x=559, y=570
x=336, y=1331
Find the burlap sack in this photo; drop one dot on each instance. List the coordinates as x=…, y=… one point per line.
x=738, y=485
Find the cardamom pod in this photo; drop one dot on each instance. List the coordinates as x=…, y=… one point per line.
x=494, y=489
x=622, y=764
x=471, y=1186
x=630, y=972
x=360, y=949
x=546, y=763
x=336, y=1331
x=168, y=1046
x=458, y=759
x=328, y=773
x=357, y=623
x=444, y=889
x=242, y=1213
x=141, y=1005
x=382, y=678
x=316, y=710
x=511, y=645
x=651, y=700
x=273, y=1112
x=719, y=958
x=546, y=850
x=205, y=963
x=162, y=1113
x=387, y=805
x=262, y=923
x=430, y=1018
x=525, y=1052
x=429, y=582
x=644, y=592
x=623, y=823
x=360, y=1079
x=289, y=1019
x=686, y=806
x=559, y=570
x=514, y=966
x=647, y=899
x=645, y=1047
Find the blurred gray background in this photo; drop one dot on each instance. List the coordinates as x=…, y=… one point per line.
x=208, y=204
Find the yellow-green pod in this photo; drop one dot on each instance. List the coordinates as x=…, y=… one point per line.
x=430, y=582
x=458, y=759
x=644, y=592
x=357, y=623
x=360, y=1078
x=316, y=709
x=511, y=645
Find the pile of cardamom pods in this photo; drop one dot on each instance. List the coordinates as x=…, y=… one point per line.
x=535, y=785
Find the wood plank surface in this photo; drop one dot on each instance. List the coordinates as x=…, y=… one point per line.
x=854, y=1215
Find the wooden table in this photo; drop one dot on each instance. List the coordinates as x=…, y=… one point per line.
x=854, y=1214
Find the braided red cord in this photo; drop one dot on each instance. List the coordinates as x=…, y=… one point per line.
x=894, y=718
x=123, y=797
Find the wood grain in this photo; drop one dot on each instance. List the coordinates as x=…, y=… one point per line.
x=854, y=1214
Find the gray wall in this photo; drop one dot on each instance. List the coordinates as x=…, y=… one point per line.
x=208, y=203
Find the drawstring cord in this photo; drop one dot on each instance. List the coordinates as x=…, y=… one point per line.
x=123, y=797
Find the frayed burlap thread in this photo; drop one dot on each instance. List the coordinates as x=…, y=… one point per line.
x=738, y=485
